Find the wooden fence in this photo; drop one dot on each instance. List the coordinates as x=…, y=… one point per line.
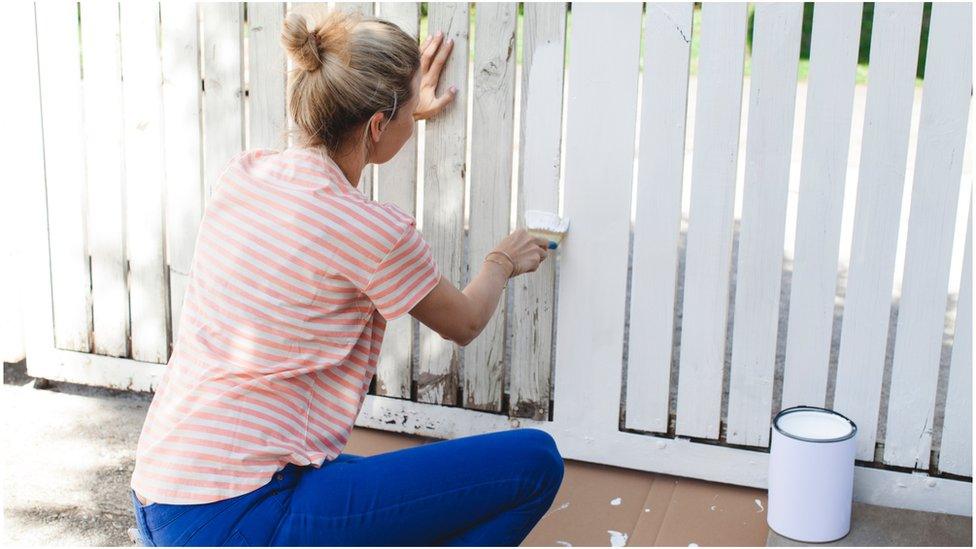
x=670, y=348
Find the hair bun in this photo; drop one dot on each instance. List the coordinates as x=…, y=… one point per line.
x=301, y=43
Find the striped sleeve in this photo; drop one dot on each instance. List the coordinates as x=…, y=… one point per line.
x=405, y=276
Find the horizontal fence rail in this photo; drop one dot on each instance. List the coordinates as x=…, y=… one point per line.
x=713, y=194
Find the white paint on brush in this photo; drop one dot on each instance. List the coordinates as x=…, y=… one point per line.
x=760, y=505
x=617, y=539
x=615, y=501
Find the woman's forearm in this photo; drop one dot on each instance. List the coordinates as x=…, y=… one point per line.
x=483, y=294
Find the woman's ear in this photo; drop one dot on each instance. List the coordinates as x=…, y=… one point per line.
x=377, y=123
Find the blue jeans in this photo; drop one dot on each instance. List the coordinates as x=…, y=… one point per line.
x=487, y=490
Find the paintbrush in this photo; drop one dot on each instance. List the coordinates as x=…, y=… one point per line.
x=546, y=225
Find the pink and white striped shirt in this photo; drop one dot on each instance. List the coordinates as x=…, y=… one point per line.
x=294, y=276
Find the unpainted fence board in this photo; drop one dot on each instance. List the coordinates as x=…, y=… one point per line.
x=266, y=76
x=956, y=453
x=660, y=172
x=599, y=175
x=946, y=100
x=772, y=101
x=396, y=182
x=103, y=148
x=826, y=139
x=709, y=248
x=444, y=169
x=884, y=147
x=181, y=146
x=492, y=129
x=142, y=98
x=544, y=37
x=64, y=165
x=223, y=89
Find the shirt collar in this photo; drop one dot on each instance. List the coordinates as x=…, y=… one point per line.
x=324, y=163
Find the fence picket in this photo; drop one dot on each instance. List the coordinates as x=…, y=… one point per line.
x=64, y=172
x=599, y=175
x=938, y=168
x=103, y=147
x=956, y=454
x=444, y=168
x=772, y=101
x=396, y=182
x=709, y=249
x=266, y=76
x=667, y=52
x=543, y=44
x=223, y=89
x=826, y=138
x=142, y=99
x=864, y=333
x=182, y=145
x=491, y=177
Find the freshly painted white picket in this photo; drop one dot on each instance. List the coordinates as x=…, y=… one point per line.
x=543, y=46
x=492, y=127
x=826, y=139
x=397, y=183
x=600, y=136
x=182, y=146
x=946, y=98
x=709, y=250
x=775, y=54
x=956, y=456
x=103, y=157
x=884, y=146
x=667, y=52
x=444, y=169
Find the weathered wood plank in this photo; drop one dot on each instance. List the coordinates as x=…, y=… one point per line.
x=142, y=98
x=772, y=101
x=826, y=139
x=544, y=39
x=946, y=98
x=709, y=249
x=667, y=51
x=593, y=277
x=397, y=183
x=182, y=146
x=884, y=147
x=62, y=107
x=103, y=147
x=223, y=89
x=492, y=129
x=444, y=168
x=956, y=453
x=266, y=76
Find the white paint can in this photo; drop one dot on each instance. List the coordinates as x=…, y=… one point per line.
x=811, y=474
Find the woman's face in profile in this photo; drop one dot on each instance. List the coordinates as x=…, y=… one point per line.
x=397, y=131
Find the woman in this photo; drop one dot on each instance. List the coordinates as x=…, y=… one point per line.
x=294, y=277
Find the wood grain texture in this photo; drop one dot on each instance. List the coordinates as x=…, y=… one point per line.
x=64, y=165
x=667, y=51
x=103, y=148
x=223, y=89
x=492, y=127
x=599, y=175
x=884, y=147
x=544, y=39
x=142, y=98
x=709, y=249
x=946, y=98
x=826, y=139
x=444, y=169
x=956, y=452
x=772, y=101
x=396, y=182
x=266, y=76
x=182, y=146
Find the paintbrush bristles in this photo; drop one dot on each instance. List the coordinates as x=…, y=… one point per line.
x=546, y=225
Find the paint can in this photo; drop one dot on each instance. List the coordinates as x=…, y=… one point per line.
x=811, y=474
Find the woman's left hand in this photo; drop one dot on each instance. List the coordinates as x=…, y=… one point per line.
x=433, y=55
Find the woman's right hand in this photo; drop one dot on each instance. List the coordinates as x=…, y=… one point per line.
x=528, y=251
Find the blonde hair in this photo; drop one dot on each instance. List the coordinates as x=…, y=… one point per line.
x=347, y=67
